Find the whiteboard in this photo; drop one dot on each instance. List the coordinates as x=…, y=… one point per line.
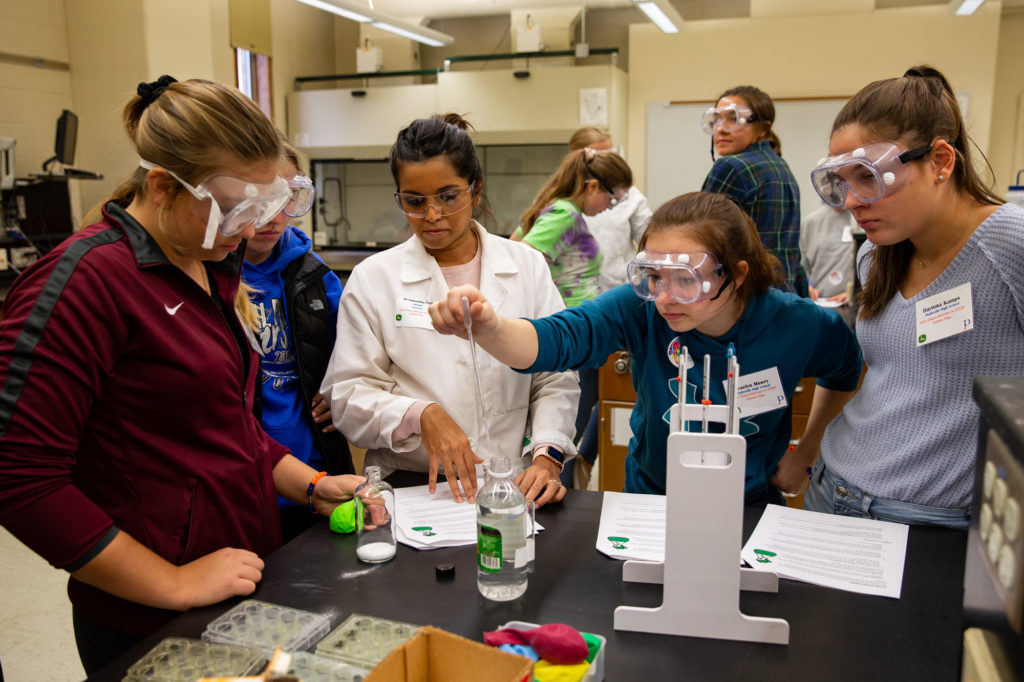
x=679, y=152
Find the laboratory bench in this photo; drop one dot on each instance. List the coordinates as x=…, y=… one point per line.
x=834, y=635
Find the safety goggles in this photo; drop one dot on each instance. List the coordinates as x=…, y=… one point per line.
x=234, y=204
x=686, y=276
x=303, y=194
x=869, y=172
x=615, y=197
x=730, y=117
x=446, y=203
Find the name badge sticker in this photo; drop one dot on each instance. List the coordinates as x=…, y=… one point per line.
x=945, y=314
x=759, y=392
x=412, y=313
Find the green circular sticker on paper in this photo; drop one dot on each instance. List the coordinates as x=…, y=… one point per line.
x=618, y=542
x=398, y=317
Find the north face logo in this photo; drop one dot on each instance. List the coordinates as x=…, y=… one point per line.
x=316, y=304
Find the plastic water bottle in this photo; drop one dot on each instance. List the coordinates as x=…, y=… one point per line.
x=375, y=519
x=503, y=554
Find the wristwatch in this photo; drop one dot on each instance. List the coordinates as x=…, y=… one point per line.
x=551, y=453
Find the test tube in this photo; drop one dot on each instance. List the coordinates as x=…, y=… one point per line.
x=684, y=360
x=730, y=397
x=707, y=392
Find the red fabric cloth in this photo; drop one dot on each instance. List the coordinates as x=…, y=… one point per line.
x=556, y=643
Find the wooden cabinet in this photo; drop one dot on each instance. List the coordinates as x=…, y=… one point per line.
x=615, y=398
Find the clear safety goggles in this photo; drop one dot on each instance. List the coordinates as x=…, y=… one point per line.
x=869, y=172
x=446, y=203
x=686, y=276
x=730, y=117
x=234, y=204
x=303, y=194
x=614, y=197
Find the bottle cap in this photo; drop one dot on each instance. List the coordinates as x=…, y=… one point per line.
x=444, y=571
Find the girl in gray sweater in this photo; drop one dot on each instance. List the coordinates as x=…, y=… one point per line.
x=943, y=302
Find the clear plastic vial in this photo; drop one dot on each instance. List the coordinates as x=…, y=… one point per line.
x=375, y=519
x=502, y=551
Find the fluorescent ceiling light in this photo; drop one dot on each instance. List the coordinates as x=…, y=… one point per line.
x=418, y=33
x=962, y=8
x=342, y=9
x=662, y=14
x=356, y=12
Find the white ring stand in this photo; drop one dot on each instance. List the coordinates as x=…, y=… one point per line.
x=703, y=537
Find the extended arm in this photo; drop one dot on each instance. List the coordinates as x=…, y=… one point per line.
x=511, y=341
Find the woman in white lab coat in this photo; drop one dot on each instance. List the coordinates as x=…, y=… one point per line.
x=408, y=394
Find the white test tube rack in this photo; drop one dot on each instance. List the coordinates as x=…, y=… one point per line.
x=701, y=574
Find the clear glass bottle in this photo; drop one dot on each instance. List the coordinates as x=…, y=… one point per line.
x=375, y=519
x=503, y=553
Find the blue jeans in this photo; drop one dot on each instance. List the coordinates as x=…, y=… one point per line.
x=832, y=495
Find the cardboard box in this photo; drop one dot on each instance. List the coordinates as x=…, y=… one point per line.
x=433, y=655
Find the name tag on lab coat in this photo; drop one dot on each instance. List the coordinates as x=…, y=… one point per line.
x=944, y=315
x=759, y=392
x=412, y=313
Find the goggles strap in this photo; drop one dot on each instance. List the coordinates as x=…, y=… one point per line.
x=212, y=223
x=728, y=279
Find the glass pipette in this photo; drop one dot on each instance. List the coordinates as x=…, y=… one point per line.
x=476, y=372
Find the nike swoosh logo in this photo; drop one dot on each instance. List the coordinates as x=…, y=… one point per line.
x=170, y=310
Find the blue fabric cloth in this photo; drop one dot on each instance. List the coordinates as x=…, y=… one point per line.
x=830, y=494
x=283, y=417
x=521, y=650
x=761, y=183
x=777, y=329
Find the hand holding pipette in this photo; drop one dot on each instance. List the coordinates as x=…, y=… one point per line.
x=468, y=322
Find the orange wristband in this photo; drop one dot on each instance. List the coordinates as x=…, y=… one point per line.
x=309, y=491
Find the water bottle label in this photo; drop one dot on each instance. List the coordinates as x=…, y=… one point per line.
x=488, y=549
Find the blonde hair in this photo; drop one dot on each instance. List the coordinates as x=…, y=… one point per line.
x=576, y=169
x=291, y=154
x=584, y=137
x=193, y=128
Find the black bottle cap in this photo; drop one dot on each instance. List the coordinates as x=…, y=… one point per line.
x=444, y=572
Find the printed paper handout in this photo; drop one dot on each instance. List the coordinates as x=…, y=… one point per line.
x=847, y=553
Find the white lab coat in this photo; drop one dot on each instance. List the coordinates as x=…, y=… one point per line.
x=379, y=368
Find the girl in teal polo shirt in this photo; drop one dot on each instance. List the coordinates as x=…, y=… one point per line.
x=702, y=279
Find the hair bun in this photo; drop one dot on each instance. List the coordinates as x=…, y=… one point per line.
x=150, y=91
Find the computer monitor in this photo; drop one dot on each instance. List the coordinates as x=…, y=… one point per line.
x=65, y=141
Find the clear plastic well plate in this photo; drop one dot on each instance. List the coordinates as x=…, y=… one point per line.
x=177, y=659
x=365, y=640
x=263, y=626
x=314, y=668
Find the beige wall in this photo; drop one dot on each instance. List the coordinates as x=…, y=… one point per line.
x=104, y=75
x=32, y=98
x=303, y=45
x=786, y=56
x=811, y=56
x=1006, y=150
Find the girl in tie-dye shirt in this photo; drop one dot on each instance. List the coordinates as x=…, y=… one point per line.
x=586, y=183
